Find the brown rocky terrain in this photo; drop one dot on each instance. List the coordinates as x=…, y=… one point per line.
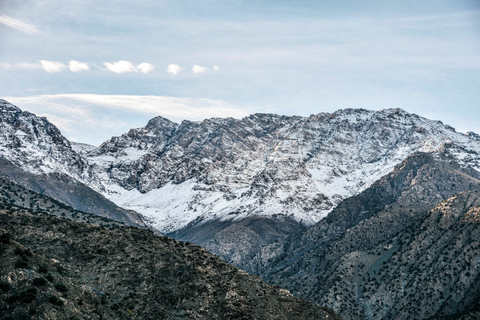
x=52, y=268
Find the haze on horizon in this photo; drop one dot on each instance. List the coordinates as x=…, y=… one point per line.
x=97, y=68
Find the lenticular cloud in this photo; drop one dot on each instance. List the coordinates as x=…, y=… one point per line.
x=174, y=69
x=120, y=66
x=76, y=66
x=145, y=67
x=52, y=66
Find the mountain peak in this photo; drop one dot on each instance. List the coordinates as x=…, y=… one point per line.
x=6, y=106
x=159, y=121
x=34, y=143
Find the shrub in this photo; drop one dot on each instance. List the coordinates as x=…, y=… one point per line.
x=43, y=269
x=55, y=300
x=5, y=238
x=61, y=287
x=21, y=264
x=39, y=282
x=26, y=296
x=5, y=286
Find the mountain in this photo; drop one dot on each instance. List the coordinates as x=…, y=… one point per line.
x=52, y=268
x=35, y=144
x=371, y=213
x=234, y=186
x=35, y=155
x=263, y=165
x=230, y=185
x=403, y=248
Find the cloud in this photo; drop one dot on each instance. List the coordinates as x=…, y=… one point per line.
x=199, y=69
x=93, y=118
x=26, y=65
x=174, y=69
x=76, y=66
x=145, y=67
x=216, y=68
x=19, y=25
x=52, y=66
x=123, y=66
x=120, y=66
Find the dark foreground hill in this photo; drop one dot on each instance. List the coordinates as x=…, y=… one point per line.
x=52, y=268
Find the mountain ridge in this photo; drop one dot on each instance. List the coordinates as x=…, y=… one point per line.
x=247, y=167
x=348, y=260
x=230, y=169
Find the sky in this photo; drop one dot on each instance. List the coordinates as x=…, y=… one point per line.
x=97, y=68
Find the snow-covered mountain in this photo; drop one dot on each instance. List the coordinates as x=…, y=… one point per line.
x=400, y=191
x=228, y=169
x=265, y=164
x=35, y=155
x=35, y=144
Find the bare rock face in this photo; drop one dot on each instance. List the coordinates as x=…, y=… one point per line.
x=52, y=268
x=373, y=214
x=385, y=253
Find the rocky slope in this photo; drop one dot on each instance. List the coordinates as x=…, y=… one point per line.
x=239, y=242
x=400, y=239
x=52, y=268
x=15, y=198
x=377, y=253
x=35, y=155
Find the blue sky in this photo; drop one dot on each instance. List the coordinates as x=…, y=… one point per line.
x=97, y=68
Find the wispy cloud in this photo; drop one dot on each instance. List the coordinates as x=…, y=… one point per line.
x=95, y=118
x=145, y=67
x=76, y=66
x=46, y=65
x=174, y=69
x=27, y=65
x=19, y=25
x=121, y=66
x=199, y=69
x=52, y=66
